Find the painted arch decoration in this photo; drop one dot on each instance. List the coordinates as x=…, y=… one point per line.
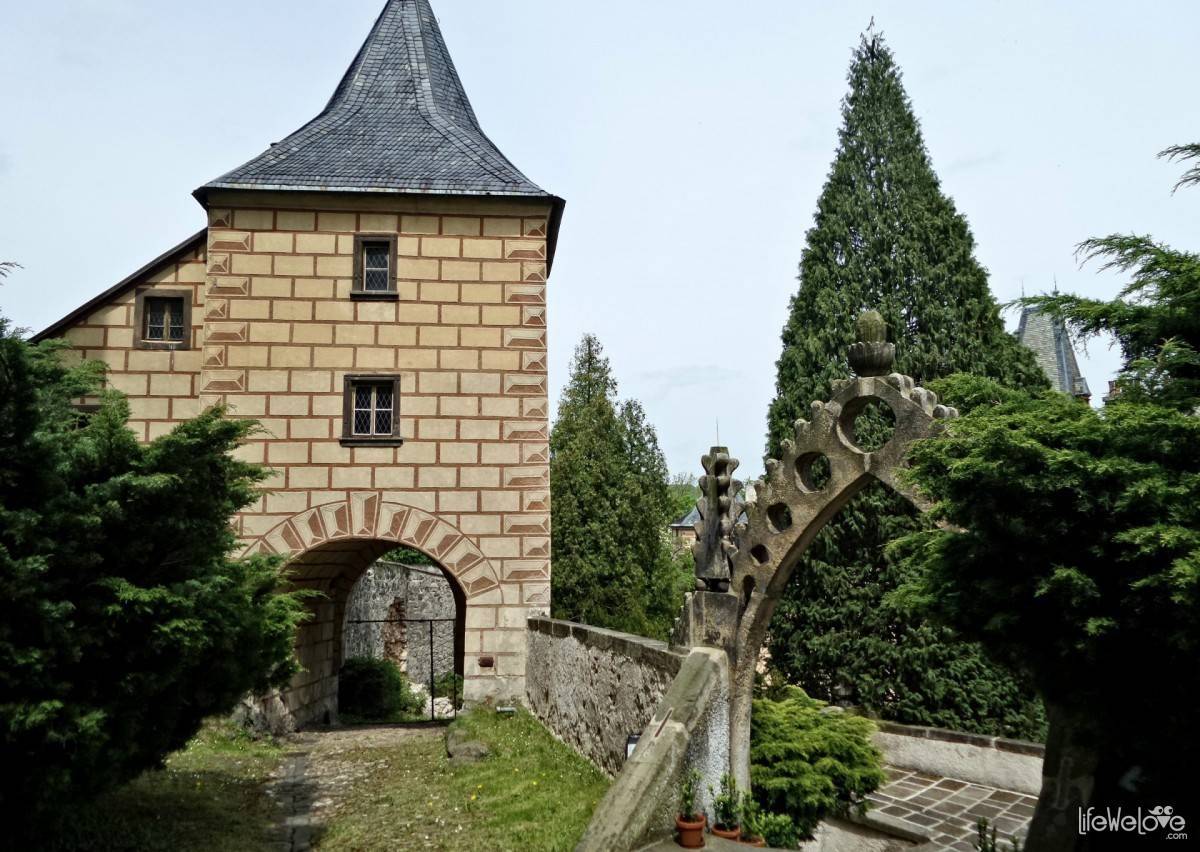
x=366, y=515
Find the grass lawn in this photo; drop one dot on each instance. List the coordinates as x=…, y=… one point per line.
x=209, y=797
x=531, y=793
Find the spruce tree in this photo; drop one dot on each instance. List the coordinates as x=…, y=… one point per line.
x=886, y=237
x=612, y=566
x=125, y=620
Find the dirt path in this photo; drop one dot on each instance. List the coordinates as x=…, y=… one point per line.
x=315, y=776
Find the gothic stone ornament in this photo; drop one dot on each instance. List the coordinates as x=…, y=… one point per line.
x=792, y=503
x=719, y=510
x=872, y=355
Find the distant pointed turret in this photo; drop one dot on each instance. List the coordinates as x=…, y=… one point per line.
x=1051, y=345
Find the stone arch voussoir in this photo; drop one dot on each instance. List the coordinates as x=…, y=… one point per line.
x=366, y=515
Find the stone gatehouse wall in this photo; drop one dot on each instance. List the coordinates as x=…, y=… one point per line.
x=594, y=687
x=384, y=619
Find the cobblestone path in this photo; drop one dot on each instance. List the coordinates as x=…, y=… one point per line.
x=314, y=777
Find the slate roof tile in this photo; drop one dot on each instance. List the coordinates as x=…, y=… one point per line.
x=399, y=121
x=1052, y=348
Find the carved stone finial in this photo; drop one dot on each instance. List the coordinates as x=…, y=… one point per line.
x=720, y=509
x=872, y=355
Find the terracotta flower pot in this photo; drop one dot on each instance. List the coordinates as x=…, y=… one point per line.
x=691, y=833
x=758, y=842
x=728, y=833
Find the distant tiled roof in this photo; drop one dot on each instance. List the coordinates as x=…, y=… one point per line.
x=689, y=520
x=399, y=122
x=1051, y=345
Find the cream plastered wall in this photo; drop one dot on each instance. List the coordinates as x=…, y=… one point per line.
x=467, y=338
x=162, y=387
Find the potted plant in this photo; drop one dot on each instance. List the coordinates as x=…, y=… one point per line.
x=752, y=833
x=689, y=823
x=727, y=809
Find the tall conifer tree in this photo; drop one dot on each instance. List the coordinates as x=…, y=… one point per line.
x=886, y=237
x=612, y=566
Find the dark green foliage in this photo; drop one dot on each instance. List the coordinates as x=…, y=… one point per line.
x=1073, y=553
x=1072, y=547
x=1156, y=317
x=613, y=566
x=374, y=690
x=448, y=685
x=727, y=804
x=809, y=762
x=683, y=491
x=886, y=237
x=123, y=620
x=778, y=831
x=409, y=556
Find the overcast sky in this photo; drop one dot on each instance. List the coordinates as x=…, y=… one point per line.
x=691, y=139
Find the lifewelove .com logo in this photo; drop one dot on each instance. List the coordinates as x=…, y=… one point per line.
x=1161, y=821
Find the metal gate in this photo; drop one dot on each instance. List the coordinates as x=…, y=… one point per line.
x=430, y=649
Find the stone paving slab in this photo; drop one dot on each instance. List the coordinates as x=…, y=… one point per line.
x=947, y=809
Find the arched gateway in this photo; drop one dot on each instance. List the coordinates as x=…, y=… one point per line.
x=330, y=546
x=745, y=553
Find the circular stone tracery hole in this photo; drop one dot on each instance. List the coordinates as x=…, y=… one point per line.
x=780, y=517
x=868, y=423
x=760, y=554
x=814, y=472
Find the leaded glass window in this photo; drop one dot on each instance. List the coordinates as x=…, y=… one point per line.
x=164, y=320
x=376, y=267
x=373, y=404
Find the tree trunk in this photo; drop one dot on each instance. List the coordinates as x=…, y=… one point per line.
x=1068, y=782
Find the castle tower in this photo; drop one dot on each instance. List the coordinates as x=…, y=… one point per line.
x=372, y=290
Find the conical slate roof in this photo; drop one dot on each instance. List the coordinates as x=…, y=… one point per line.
x=399, y=122
x=1051, y=345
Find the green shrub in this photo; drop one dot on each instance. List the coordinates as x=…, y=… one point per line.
x=687, y=795
x=374, y=690
x=408, y=556
x=727, y=805
x=987, y=842
x=810, y=762
x=778, y=830
x=448, y=685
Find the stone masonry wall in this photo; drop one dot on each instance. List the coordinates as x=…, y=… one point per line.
x=384, y=619
x=595, y=687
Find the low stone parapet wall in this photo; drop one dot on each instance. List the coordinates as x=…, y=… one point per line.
x=594, y=687
x=689, y=731
x=991, y=761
